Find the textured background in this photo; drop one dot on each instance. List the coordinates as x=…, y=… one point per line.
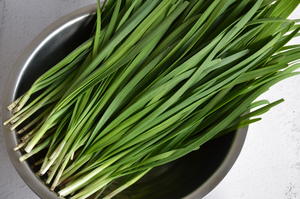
x=269, y=164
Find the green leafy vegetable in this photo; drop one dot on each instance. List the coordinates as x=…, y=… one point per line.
x=156, y=81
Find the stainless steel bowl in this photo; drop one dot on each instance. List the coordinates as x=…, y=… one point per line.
x=191, y=177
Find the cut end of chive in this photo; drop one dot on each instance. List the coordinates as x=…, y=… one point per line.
x=16, y=109
x=22, y=158
x=12, y=128
x=21, y=131
x=10, y=107
x=19, y=146
x=6, y=122
x=63, y=193
x=13, y=105
x=43, y=171
x=39, y=173
x=28, y=148
x=49, y=179
x=52, y=188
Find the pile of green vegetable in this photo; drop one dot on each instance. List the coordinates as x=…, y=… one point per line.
x=158, y=79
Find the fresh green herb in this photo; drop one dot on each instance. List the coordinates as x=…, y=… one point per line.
x=158, y=79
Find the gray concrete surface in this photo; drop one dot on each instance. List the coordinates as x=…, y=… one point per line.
x=269, y=165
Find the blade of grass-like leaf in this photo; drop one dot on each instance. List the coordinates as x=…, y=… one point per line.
x=81, y=139
x=103, y=71
x=281, y=9
x=124, y=93
x=149, y=134
x=214, y=66
x=114, y=134
x=54, y=140
x=259, y=73
x=232, y=128
x=34, y=106
x=113, y=22
x=134, y=136
x=158, y=51
x=188, y=64
x=93, y=187
x=175, y=35
x=36, y=150
x=193, y=145
x=236, y=28
x=148, y=121
x=262, y=110
x=259, y=103
x=128, y=13
x=284, y=48
x=234, y=14
x=53, y=70
x=71, y=133
x=145, y=99
x=35, y=121
x=253, y=60
x=192, y=31
x=77, y=184
x=242, y=41
x=130, y=111
x=126, y=185
x=60, y=76
x=98, y=30
x=194, y=9
x=269, y=20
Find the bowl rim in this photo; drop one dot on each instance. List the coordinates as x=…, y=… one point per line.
x=14, y=77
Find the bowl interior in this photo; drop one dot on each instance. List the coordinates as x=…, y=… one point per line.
x=172, y=181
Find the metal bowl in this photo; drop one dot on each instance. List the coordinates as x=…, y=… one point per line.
x=191, y=177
